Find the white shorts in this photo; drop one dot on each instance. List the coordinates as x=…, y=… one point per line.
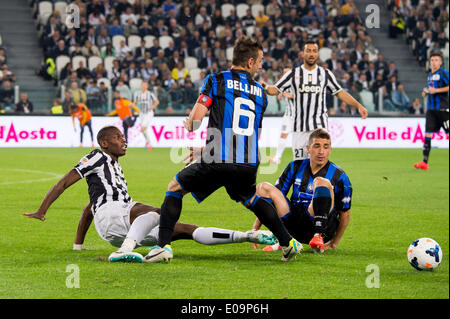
x=112, y=222
x=299, y=143
x=287, y=125
x=146, y=119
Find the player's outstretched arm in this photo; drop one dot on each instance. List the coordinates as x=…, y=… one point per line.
x=344, y=220
x=83, y=226
x=350, y=100
x=66, y=181
x=270, y=89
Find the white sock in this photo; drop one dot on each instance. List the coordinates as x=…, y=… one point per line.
x=147, y=138
x=281, y=147
x=142, y=226
x=216, y=236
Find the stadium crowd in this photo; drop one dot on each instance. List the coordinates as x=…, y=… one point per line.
x=174, y=44
x=424, y=25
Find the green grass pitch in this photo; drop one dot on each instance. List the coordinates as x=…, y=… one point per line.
x=393, y=204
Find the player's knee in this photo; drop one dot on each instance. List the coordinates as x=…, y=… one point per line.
x=263, y=189
x=174, y=186
x=322, y=182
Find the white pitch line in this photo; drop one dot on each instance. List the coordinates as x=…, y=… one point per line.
x=54, y=176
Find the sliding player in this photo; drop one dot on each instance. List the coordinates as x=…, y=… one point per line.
x=117, y=218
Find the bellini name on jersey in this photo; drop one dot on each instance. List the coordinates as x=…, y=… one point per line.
x=244, y=87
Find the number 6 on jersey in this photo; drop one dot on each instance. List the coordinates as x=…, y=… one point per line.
x=239, y=112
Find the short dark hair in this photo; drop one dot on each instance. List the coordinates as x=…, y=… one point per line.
x=437, y=53
x=245, y=48
x=319, y=133
x=310, y=41
x=104, y=133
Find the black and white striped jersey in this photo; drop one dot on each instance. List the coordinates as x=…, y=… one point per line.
x=144, y=101
x=309, y=89
x=104, y=177
x=290, y=106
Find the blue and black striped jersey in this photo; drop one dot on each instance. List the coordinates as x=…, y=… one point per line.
x=236, y=114
x=438, y=101
x=298, y=175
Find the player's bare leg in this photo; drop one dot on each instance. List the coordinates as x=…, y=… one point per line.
x=143, y=218
x=147, y=138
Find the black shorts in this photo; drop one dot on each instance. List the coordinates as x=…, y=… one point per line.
x=435, y=119
x=203, y=179
x=301, y=225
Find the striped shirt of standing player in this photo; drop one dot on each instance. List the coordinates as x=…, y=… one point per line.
x=309, y=88
x=310, y=83
x=105, y=179
x=236, y=103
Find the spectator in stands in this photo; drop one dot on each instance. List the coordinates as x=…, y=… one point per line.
x=89, y=49
x=130, y=28
x=91, y=36
x=400, y=99
x=416, y=107
x=180, y=72
x=83, y=72
x=107, y=51
x=124, y=90
x=93, y=93
x=145, y=29
x=73, y=77
x=24, y=105
x=60, y=49
x=67, y=101
x=65, y=72
x=132, y=71
x=103, y=39
x=140, y=51
x=57, y=107
x=381, y=66
x=78, y=94
x=76, y=50
x=397, y=25
x=48, y=68
x=155, y=48
x=96, y=17
x=176, y=96
x=99, y=72
x=201, y=17
x=128, y=14
x=6, y=74
x=115, y=28
x=7, y=94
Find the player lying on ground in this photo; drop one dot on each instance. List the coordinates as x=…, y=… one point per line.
x=118, y=219
x=202, y=235
x=319, y=207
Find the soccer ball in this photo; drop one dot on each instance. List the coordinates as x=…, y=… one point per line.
x=424, y=254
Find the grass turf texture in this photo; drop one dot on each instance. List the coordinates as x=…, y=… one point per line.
x=393, y=204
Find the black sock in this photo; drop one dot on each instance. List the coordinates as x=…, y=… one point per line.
x=426, y=149
x=321, y=207
x=170, y=213
x=268, y=216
